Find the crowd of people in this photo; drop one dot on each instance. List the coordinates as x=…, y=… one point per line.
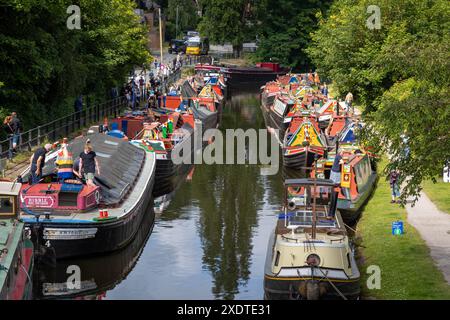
x=149, y=89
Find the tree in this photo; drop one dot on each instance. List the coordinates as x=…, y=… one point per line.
x=187, y=16
x=285, y=28
x=228, y=21
x=400, y=75
x=44, y=65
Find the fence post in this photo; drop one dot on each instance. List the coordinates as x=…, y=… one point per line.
x=39, y=135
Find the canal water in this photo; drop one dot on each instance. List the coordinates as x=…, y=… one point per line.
x=209, y=243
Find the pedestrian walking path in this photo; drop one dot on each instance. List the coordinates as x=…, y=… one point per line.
x=434, y=227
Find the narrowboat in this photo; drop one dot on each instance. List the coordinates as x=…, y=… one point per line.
x=309, y=254
x=70, y=219
x=358, y=179
x=16, y=249
x=302, y=143
x=174, y=143
x=237, y=76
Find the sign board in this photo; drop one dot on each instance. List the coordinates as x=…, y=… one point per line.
x=39, y=201
x=69, y=234
x=397, y=228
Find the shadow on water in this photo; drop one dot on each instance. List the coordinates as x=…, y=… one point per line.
x=209, y=243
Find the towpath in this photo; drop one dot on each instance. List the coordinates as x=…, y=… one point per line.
x=434, y=227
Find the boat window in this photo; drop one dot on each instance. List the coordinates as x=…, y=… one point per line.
x=113, y=143
x=277, y=258
x=103, y=155
x=7, y=206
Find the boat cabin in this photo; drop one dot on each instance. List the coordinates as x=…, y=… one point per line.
x=9, y=199
x=308, y=204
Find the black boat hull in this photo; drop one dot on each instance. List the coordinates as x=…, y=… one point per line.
x=299, y=161
x=108, y=236
x=168, y=174
x=252, y=76
x=274, y=121
x=288, y=289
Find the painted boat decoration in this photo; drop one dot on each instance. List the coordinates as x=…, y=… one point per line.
x=303, y=142
x=174, y=136
x=309, y=254
x=358, y=179
x=71, y=219
x=16, y=249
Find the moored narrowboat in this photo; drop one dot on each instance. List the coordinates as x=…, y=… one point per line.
x=358, y=179
x=174, y=143
x=16, y=249
x=309, y=254
x=303, y=142
x=69, y=218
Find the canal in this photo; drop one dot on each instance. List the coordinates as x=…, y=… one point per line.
x=209, y=243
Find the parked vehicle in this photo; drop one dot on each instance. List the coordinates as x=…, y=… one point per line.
x=177, y=46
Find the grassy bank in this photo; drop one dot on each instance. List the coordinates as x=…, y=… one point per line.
x=439, y=193
x=407, y=270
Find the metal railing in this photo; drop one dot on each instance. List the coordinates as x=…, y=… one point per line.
x=64, y=126
x=193, y=60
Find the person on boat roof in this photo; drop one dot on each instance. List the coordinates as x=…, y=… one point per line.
x=37, y=162
x=89, y=164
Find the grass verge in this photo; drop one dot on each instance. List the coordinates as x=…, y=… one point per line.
x=407, y=270
x=439, y=193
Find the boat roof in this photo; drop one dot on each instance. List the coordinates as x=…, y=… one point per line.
x=187, y=91
x=10, y=188
x=308, y=181
x=119, y=160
